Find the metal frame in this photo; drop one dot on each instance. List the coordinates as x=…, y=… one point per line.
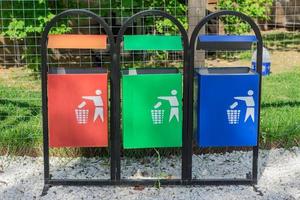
x=115, y=103
x=185, y=141
x=250, y=178
x=48, y=181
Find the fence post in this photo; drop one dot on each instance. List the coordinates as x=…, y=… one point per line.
x=196, y=11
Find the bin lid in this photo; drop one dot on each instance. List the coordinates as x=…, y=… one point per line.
x=150, y=71
x=71, y=41
x=152, y=42
x=76, y=70
x=226, y=42
x=225, y=71
x=228, y=38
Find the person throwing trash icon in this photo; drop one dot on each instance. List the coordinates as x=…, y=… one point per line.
x=173, y=103
x=98, y=102
x=249, y=100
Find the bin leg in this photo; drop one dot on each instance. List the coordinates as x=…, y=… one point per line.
x=255, y=164
x=45, y=189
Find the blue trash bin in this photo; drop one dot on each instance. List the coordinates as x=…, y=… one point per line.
x=228, y=107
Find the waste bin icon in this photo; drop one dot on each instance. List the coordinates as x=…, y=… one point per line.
x=228, y=110
x=233, y=116
x=157, y=116
x=82, y=116
x=151, y=111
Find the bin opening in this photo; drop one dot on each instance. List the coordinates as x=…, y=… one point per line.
x=226, y=70
x=72, y=70
x=150, y=71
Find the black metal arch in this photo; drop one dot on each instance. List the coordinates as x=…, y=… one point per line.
x=129, y=21
x=185, y=39
x=70, y=12
x=44, y=70
x=242, y=16
x=199, y=26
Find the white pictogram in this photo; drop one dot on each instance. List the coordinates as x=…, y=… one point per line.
x=234, y=114
x=82, y=114
x=158, y=114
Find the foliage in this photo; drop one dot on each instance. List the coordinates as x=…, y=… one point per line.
x=27, y=22
x=257, y=9
x=173, y=7
x=16, y=29
x=24, y=23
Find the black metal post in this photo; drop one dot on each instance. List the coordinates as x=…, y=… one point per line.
x=44, y=72
x=193, y=39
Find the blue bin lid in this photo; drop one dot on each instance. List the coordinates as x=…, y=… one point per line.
x=227, y=38
x=225, y=71
x=226, y=42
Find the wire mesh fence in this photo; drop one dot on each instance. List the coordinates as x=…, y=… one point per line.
x=21, y=25
x=279, y=24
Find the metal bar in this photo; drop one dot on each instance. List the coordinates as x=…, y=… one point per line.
x=45, y=189
x=115, y=116
x=132, y=182
x=79, y=182
x=221, y=181
x=45, y=109
x=189, y=115
x=259, y=57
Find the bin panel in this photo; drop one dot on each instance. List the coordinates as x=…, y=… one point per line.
x=227, y=112
x=149, y=120
x=226, y=42
x=153, y=42
x=70, y=41
x=77, y=110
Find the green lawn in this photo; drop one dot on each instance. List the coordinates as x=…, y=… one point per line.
x=20, y=111
x=280, y=114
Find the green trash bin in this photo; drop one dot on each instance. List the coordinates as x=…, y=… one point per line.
x=151, y=108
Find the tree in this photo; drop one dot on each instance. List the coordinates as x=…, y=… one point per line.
x=257, y=9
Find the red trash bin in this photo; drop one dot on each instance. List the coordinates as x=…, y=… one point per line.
x=77, y=99
x=77, y=109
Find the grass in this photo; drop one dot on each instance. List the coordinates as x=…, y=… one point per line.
x=20, y=113
x=280, y=114
x=281, y=39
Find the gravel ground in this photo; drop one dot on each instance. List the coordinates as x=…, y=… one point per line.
x=22, y=177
